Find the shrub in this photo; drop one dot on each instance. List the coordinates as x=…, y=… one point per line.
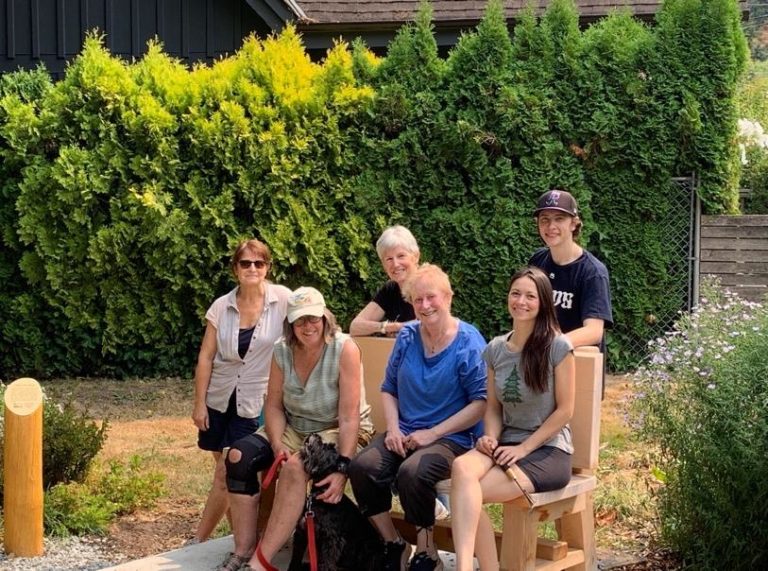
x=72, y=509
x=128, y=487
x=84, y=508
x=127, y=184
x=70, y=442
x=753, y=142
x=704, y=404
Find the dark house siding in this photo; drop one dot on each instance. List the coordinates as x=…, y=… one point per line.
x=52, y=31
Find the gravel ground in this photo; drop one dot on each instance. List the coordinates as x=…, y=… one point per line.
x=66, y=554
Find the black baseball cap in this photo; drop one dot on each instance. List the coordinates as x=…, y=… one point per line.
x=557, y=200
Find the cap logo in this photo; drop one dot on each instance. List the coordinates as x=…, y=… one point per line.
x=301, y=299
x=553, y=199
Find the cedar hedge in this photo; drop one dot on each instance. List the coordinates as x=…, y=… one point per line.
x=126, y=186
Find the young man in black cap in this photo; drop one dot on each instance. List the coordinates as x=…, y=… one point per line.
x=579, y=280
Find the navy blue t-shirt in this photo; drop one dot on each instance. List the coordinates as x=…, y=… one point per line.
x=581, y=290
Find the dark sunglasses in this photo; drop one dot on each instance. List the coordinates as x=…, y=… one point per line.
x=259, y=264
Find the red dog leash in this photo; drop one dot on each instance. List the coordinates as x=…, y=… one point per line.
x=271, y=475
x=309, y=518
x=274, y=469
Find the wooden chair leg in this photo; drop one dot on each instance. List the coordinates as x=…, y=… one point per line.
x=519, y=536
x=578, y=530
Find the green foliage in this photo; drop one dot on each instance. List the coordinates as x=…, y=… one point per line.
x=152, y=173
x=71, y=509
x=705, y=406
x=126, y=186
x=70, y=442
x=128, y=486
x=753, y=111
x=702, y=49
x=88, y=508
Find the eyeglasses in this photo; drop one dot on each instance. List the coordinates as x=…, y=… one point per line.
x=301, y=321
x=259, y=264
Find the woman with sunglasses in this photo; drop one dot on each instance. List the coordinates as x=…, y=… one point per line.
x=233, y=365
x=315, y=387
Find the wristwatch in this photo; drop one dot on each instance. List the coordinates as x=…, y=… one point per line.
x=342, y=464
x=383, y=328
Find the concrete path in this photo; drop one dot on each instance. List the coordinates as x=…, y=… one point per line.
x=207, y=556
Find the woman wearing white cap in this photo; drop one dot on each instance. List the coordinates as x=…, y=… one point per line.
x=315, y=386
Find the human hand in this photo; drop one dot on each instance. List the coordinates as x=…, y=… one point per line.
x=486, y=445
x=200, y=416
x=419, y=438
x=395, y=442
x=335, y=482
x=278, y=449
x=395, y=327
x=507, y=455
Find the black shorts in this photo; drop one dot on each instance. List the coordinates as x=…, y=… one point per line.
x=224, y=428
x=548, y=468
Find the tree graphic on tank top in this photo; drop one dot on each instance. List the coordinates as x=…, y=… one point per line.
x=511, y=391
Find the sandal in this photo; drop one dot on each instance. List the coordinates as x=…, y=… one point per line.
x=233, y=562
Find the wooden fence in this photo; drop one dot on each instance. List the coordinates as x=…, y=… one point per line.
x=735, y=249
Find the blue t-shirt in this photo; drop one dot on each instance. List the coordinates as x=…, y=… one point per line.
x=431, y=389
x=581, y=289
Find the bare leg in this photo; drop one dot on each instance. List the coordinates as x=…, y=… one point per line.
x=217, y=503
x=425, y=541
x=496, y=488
x=485, y=544
x=244, y=510
x=467, y=505
x=286, y=511
x=384, y=525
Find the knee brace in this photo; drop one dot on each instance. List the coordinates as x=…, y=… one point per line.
x=255, y=455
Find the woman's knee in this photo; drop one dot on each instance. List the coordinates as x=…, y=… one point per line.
x=245, y=459
x=466, y=467
x=293, y=469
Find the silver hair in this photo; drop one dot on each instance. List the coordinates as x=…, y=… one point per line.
x=396, y=237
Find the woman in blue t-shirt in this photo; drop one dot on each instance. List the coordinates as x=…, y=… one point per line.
x=433, y=397
x=531, y=380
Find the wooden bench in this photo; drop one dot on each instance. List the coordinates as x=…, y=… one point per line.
x=571, y=508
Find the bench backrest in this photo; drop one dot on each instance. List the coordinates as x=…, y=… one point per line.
x=585, y=423
x=375, y=352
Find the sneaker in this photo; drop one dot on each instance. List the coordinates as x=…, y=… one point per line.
x=232, y=562
x=423, y=562
x=396, y=555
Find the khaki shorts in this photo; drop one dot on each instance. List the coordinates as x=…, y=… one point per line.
x=293, y=439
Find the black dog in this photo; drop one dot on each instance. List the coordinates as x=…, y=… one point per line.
x=345, y=539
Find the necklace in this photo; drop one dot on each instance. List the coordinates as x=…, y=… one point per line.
x=433, y=346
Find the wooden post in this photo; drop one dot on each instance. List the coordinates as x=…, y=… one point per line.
x=23, y=469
